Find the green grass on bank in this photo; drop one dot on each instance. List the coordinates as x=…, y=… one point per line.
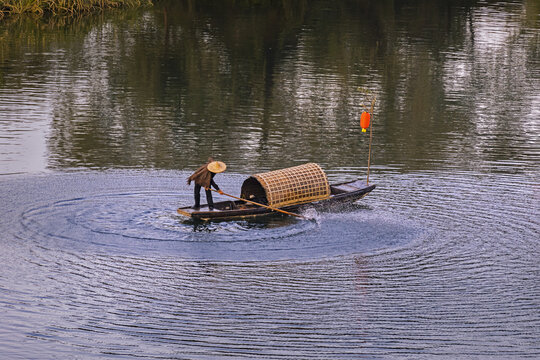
x=63, y=7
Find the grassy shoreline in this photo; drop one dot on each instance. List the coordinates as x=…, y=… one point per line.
x=64, y=7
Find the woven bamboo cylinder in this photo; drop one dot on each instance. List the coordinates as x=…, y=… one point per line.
x=294, y=185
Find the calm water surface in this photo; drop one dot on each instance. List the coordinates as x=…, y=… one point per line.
x=103, y=118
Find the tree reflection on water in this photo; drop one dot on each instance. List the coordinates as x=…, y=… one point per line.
x=266, y=85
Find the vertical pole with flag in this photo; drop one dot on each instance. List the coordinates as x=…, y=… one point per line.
x=370, y=138
x=365, y=122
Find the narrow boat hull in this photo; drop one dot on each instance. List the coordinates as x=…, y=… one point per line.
x=226, y=210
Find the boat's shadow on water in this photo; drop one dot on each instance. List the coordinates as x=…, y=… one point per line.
x=271, y=221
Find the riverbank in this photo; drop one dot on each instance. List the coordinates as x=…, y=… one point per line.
x=64, y=7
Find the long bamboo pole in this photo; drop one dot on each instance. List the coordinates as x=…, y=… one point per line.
x=265, y=206
x=370, y=137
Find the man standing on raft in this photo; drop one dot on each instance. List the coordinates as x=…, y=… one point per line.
x=204, y=177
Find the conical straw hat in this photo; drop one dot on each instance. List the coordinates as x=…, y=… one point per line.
x=217, y=166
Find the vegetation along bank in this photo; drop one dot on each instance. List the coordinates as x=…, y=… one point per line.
x=63, y=7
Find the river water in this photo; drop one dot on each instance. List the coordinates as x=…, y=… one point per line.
x=102, y=118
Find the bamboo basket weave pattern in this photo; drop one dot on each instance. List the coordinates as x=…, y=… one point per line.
x=294, y=185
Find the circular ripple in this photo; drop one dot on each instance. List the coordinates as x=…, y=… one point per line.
x=110, y=266
x=136, y=221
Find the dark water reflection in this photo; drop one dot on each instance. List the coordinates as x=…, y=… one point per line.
x=265, y=86
x=103, y=118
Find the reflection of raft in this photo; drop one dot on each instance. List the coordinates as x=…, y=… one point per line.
x=288, y=189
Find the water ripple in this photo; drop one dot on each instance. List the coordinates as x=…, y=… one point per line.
x=432, y=265
x=144, y=220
